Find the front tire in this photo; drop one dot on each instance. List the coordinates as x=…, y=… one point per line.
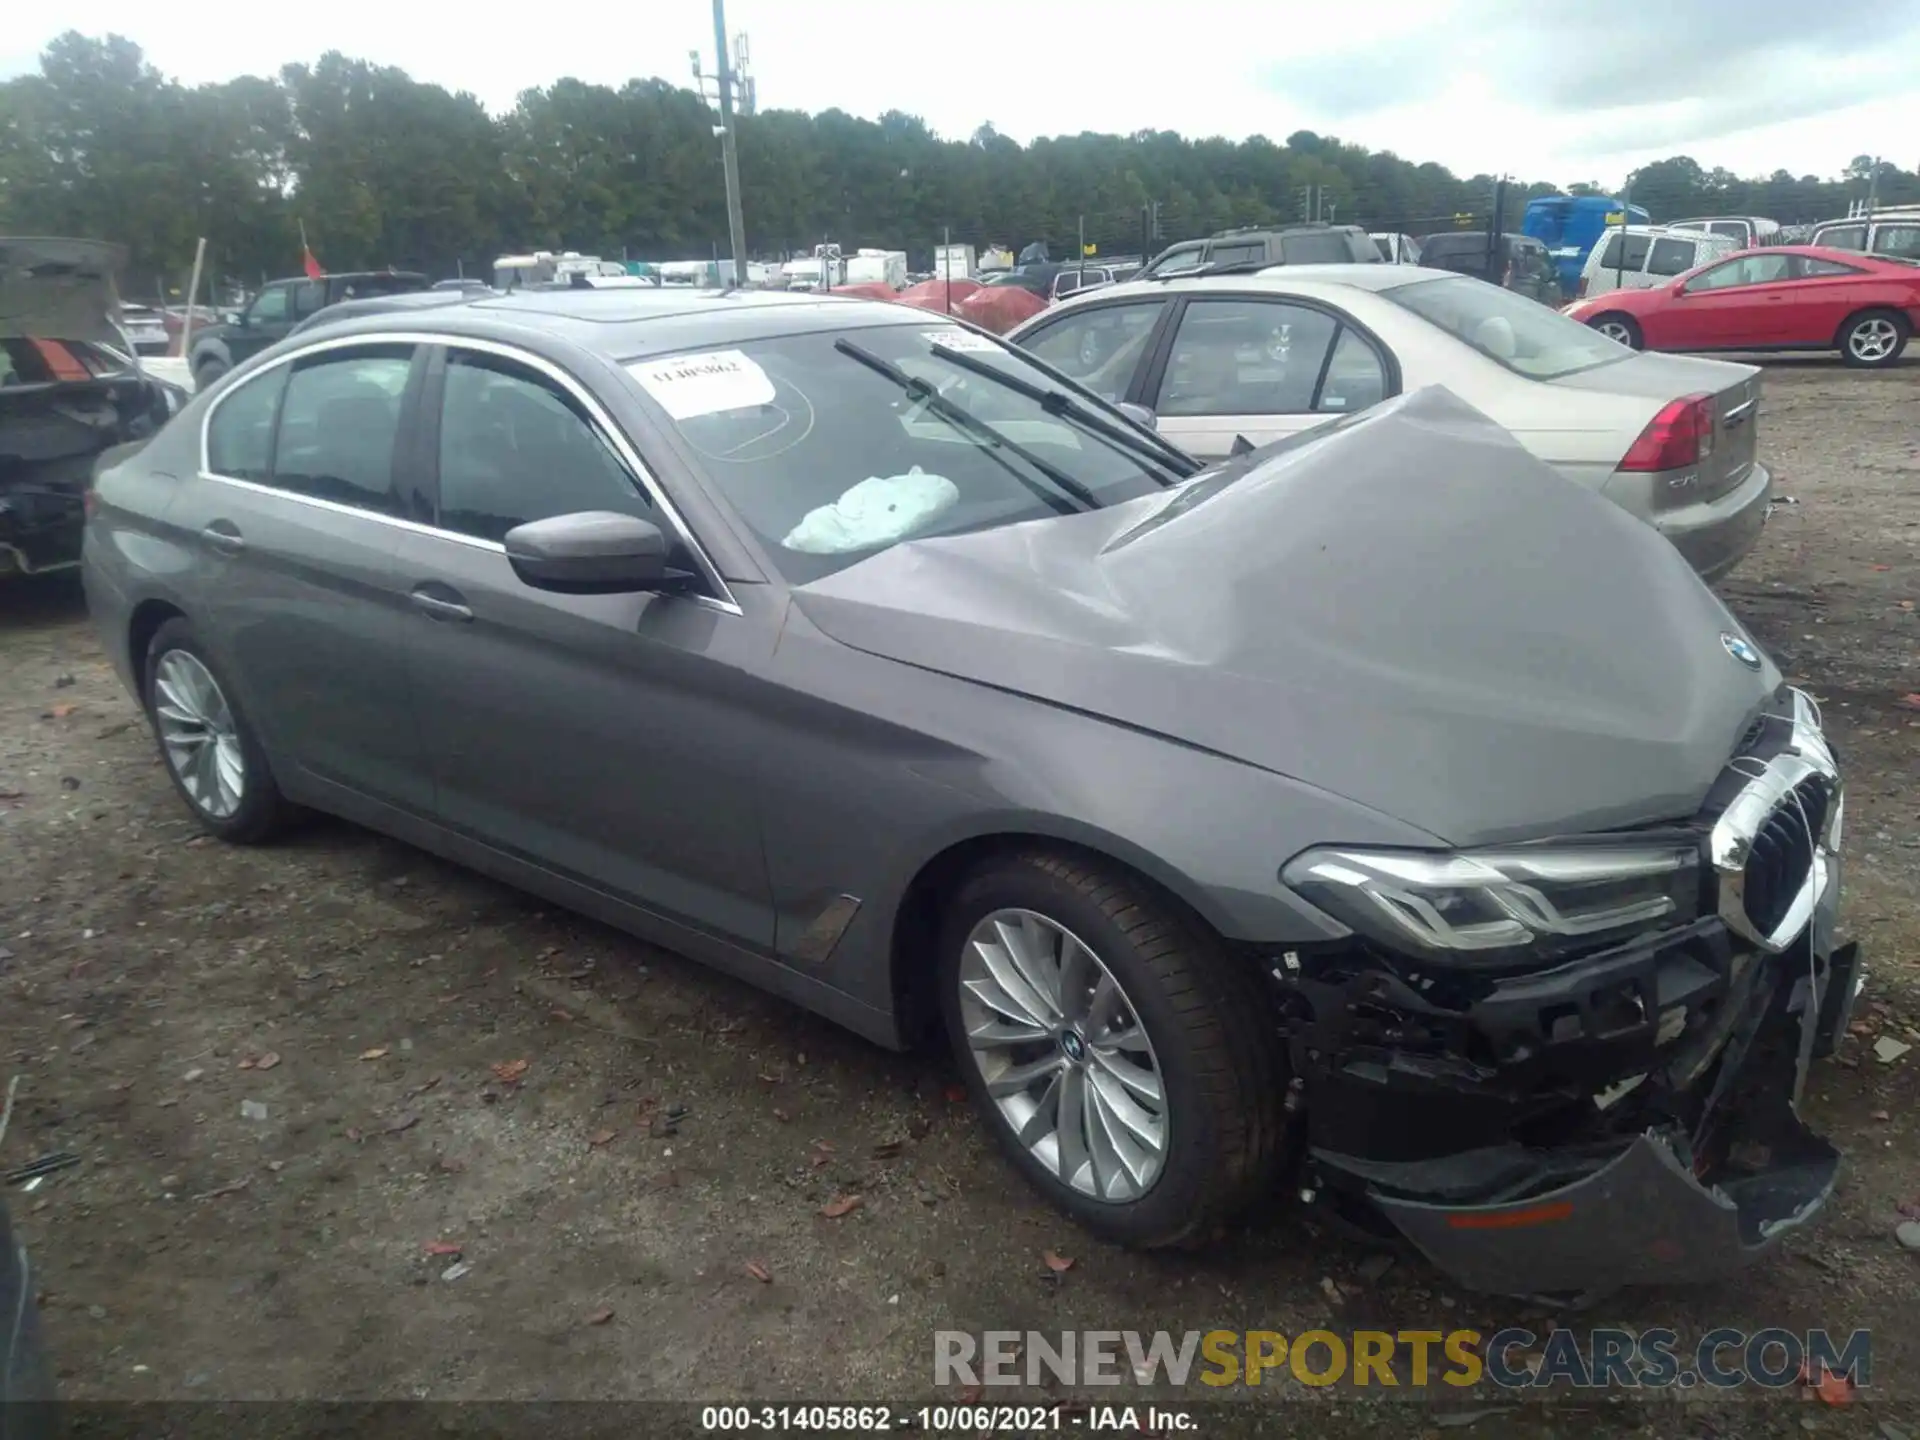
x=1123, y=1058
x=211, y=751
x=1873, y=338
x=1623, y=328
x=208, y=371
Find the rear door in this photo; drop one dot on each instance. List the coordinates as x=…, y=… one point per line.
x=1261, y=368
x=1741, y=302
x=296, y=515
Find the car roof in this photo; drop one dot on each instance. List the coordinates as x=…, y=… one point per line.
x=1323, y=280
x=628, y=323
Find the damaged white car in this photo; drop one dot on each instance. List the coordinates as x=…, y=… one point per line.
x=70, y=390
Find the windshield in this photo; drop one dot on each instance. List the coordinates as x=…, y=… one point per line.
x=1520, y=333
x=828, y=459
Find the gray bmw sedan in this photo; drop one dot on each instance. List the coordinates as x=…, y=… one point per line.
x=1376, y=817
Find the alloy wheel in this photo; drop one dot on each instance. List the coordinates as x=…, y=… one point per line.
x=198, y=735
x=1873, y=339
x=1064, y=1056
x=1616, y=330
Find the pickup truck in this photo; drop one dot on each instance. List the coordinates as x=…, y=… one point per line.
x=280, y=306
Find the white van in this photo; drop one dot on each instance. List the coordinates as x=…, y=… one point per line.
x=1639, y=257
x=1746, y=231
x=1886, y=232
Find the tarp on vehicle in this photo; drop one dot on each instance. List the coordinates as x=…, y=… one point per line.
x=999, y=308
x=935, y=294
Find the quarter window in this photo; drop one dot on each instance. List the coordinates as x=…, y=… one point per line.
x=1624, y=252
x=1245, y=357
x=515, y=446
x=240, y=435
x=337, y=427
x=1812, y=267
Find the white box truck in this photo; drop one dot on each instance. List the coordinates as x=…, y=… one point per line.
x=953, y=262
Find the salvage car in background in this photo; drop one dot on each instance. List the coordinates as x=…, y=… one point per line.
x=854, y=652
x=1228, y=361
x=67, y=394
x=1783, y=297
x=1515, y=262
x=279, y=309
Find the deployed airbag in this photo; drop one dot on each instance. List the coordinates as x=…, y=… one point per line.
x=877, y=511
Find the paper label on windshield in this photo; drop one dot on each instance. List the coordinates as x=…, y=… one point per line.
x=962, y=340
x=705, y=384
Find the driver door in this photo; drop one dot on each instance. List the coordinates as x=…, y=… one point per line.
x=1740, y=302
x=601, y=738
x=267, y=321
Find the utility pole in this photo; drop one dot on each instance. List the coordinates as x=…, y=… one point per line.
x=729, y=151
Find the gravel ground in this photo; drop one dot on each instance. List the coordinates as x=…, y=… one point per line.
x=296, y=1075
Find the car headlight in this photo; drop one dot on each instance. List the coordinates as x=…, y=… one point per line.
x=1497, y=907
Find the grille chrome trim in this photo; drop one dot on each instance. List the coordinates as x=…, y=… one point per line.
x=1731, y=843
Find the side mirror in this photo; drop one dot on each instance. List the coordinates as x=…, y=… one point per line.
x=1139, y=414
x=591, y=552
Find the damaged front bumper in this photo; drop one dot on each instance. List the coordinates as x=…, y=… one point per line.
x=1626, y=1118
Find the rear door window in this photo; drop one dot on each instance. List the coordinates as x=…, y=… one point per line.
x=1734, y=228
x=240, y=434
x=1625, y=252
x=338, y=424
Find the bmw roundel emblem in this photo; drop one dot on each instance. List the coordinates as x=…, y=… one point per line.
x=1740, y=650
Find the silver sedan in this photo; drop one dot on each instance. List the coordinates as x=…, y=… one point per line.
x=1230, y=358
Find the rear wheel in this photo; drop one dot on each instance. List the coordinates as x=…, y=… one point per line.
x=211, y=752
x=1873, y=338
x=1117, y=1050
x=208, y=371
x=1622, y=328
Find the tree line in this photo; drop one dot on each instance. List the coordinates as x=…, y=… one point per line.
x=381, y=169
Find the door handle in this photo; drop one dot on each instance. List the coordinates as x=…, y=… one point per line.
x=226, y=540
x=440, y=609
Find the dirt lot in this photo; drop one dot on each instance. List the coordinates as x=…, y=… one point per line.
x=150, y=977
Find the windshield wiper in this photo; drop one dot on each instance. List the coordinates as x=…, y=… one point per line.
x=963, y=419
x=1057, y=402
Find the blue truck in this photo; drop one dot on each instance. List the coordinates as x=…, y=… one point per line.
x=1571, y=225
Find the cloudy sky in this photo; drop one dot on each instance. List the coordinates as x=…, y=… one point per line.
x=1576, y=91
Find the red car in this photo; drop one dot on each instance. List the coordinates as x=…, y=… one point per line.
x=1781, y=297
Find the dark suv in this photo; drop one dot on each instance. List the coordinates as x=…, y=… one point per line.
x=1517, y=262
x=1288, y=245
x=279, y=307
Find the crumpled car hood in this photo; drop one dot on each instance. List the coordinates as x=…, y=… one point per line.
x=1404, y=608
x=56, y=289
